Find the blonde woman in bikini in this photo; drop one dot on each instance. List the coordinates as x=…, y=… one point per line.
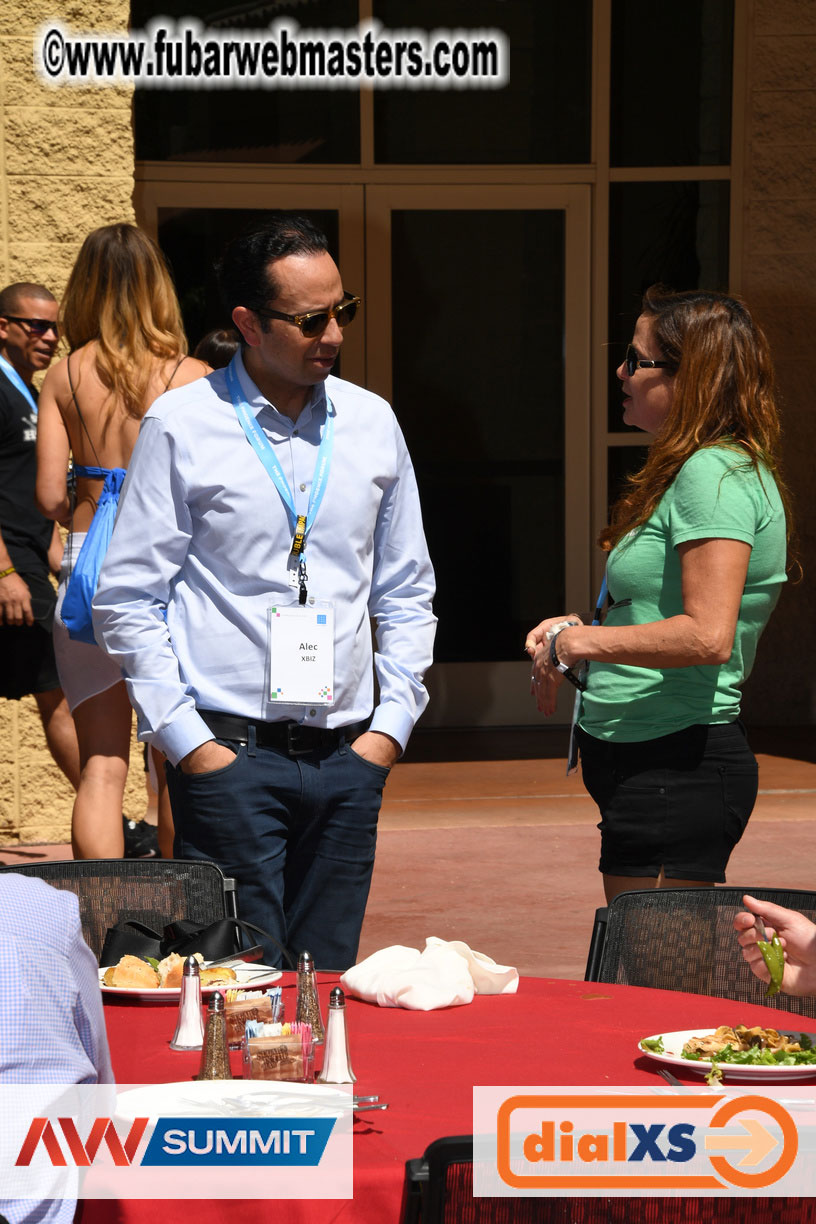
x=121, y=318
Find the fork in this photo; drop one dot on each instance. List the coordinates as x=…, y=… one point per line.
x=669, y=1078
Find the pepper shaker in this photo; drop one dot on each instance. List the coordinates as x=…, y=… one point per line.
x=308, y=1001
x=189, y=1034
x=215, y=1055
x=336, y=1061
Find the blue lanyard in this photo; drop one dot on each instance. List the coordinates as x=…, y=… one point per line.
x=301, y=525
x=572, y=752
x=600, y=601
x=16, y=381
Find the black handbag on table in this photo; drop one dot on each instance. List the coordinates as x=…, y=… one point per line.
x=219, y=939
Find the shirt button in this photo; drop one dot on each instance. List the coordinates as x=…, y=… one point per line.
x=303, y=488
x=295, y=433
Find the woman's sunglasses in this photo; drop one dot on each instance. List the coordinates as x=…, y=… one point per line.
x=316, y=321
x=633, y=362
x=34, y=327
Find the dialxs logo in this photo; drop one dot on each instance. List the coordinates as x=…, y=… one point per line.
x=700, y=1142
x=81, y=1154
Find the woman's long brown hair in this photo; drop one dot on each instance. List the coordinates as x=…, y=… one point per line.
x=120, y=294
x=724, y=393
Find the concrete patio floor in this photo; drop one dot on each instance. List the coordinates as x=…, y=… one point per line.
x=503, y=852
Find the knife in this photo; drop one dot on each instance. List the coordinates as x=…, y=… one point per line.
x=237, y=958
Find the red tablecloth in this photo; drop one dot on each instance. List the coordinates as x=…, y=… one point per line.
x=425, y=1064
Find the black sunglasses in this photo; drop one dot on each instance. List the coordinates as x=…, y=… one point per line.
x=633, y=362
x=35, y=327
x=315, y=322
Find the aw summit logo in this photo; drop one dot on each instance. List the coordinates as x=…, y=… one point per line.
x=155, y=1141
x=234, y=1142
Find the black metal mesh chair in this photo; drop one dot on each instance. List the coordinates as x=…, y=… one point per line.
x=153, y=891
x=438, y=1189
x=684, y=939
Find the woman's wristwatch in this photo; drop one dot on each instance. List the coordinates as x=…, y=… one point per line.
x=565, y=671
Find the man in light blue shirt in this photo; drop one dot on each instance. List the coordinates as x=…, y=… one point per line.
x=269, y=516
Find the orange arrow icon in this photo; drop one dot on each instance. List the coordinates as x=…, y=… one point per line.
x=759, y=1141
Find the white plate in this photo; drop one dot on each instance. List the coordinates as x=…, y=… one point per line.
x=230, y=1098
x=250, y=978
x=673, y=1046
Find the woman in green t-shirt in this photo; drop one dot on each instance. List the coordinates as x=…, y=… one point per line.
x=697, y=548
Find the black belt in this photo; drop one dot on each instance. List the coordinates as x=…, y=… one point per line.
x=293, y=739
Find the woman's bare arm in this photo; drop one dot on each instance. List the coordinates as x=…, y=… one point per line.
x=713, y=574
x=53, y=447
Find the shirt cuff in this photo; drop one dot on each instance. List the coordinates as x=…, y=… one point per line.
x=391, y=719
x=181, y=736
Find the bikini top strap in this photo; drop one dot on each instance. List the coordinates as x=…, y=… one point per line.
x=79, y=410
x=175, y=371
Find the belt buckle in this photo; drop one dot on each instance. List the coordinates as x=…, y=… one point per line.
x=295, y=746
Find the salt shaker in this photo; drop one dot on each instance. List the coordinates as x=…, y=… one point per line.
x=336, y=1061
x=189, y=1034
x=308, y=1002
x=215, y=1063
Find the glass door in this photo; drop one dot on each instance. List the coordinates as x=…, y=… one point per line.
x=477, y=319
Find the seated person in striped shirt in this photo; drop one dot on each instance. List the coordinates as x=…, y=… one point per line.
x=52, y=1030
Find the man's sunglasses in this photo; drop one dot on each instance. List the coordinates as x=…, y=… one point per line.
x=633, y=362
x=316, y=321
x=34, y=327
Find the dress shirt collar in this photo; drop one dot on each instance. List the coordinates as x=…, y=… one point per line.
x=259, y=403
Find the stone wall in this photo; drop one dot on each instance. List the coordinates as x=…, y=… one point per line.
x=66, y=166
x=779, y=282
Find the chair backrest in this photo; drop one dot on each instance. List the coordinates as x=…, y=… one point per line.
x=439, y=1190
x=154, y=891
x=683, y=939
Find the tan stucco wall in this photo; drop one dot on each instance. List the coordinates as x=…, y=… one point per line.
x=779, y=282
x=66, y=166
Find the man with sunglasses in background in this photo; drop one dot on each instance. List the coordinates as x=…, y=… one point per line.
x=30, y=545
x=271, y=510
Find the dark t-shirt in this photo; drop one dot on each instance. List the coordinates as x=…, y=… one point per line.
x=27, y=534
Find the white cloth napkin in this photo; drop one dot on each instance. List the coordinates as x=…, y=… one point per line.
x=444, y=974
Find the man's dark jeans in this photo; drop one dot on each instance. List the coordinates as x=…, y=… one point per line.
x=298, y=834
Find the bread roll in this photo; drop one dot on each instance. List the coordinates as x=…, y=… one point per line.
x=170, y=971
x=218, y=974
x=172, y=968
x=132, y=972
